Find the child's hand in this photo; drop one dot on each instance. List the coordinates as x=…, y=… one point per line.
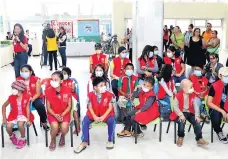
x=102, y=118
x=198, y=120
x=129, y=96
x=29, y=123
x=4, y=121
x=97, y=119
x=182, y=118
x=59, y=117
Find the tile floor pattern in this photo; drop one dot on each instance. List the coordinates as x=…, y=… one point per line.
x=147, y=148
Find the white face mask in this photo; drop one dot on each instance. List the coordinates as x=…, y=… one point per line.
x=151, y=54
x=103, y=89
x=145, y=89
x=99, y=73
x=65, y=77
x=14, y=92
x=190, y=91
x=54, y=84
x=25, y=75
x=170, y=54
x=156, y=52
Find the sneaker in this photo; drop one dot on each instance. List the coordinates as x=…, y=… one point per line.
x=222, y=138
x=141, y=134
x=14, y=139
x=202, y=142
x=180, y=141
x=21, y=143
x=109, y=145
x=124, y=133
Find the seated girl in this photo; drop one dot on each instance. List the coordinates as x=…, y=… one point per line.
x=100, y=109
x=34, y=90
x=145, y=112
x=98, y=71
x=59, y=108
x=173, y=58
x=158, y=58
x=19, y=114
x=68, y=82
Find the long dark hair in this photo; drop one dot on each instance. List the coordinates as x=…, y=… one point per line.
x=195, y=31
x=104, y=75
x=166, y=73
x=50, y=33
x=22, y=33
x=64, y=31
x=29, y=68
x=145, y=52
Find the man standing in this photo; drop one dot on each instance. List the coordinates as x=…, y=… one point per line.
x=44, y=46
x=207, y=35
x=29, y=43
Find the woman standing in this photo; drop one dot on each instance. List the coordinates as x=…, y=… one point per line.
x=62, y=38
x=166, y=35
x=20, y=44
x=52, y=47
x=178, y=39
x=196, y=55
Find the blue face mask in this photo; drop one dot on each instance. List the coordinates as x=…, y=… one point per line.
x=225, y=79
x=197, y=73
x=129, y=72
x=123, y=56
x=25, y=75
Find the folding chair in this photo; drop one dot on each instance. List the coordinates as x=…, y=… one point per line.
x=16, y=126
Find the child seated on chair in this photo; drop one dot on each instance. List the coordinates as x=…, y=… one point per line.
x=68, y=82
x=19, y=114
x=186, y=108
x=100, y=109
x=143, y=113
x=200, y=89
x=126, y=86
x=58, y=108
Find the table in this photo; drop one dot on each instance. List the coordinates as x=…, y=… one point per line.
x=80, y=48
x=6, y=55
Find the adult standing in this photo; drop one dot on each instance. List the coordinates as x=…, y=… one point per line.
x=130, y=44
x=187, y=37
x=44, y=46
x=62, y=38
x=196, y=55
x=29, y=43
x=20, y=44
x=178, y=40
x=166, y=35
x=207, y=35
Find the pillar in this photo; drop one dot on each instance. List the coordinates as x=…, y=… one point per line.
x=147, y=25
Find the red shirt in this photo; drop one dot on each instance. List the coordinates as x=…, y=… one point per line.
x=17, y=46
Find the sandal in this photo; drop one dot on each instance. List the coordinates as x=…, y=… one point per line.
x=62, y=141
x=79, y=149
x=52, y=147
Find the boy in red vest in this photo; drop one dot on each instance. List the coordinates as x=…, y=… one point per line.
x=19, y=114
x=200, y=88
x=117, y=68
x=218, y=103
x=126, y=86
x=100, y=109
x=186, y=108
x=98, y=58
x=173, y=58
x=143, y=113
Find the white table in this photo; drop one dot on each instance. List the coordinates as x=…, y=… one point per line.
x=80, y=48
x=6, y=55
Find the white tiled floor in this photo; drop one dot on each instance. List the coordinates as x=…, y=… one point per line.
x=147, y=148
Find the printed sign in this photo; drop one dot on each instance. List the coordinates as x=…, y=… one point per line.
x=67, y=25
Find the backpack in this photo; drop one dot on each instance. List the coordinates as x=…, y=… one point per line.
x=165, y=109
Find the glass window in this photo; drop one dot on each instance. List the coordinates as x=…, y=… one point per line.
x=169, y=22
x=183, y=24
x=215, y=23
x=199, y=23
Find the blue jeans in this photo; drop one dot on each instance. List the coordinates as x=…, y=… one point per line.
x=45, y=54
x=178, y=79
x=216, y=120
x=20, y=59
x=39, y=106
x=200, y=104
x=62, y=51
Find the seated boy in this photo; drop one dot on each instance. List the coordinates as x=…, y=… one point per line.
x=200, y=88
x=100, y=109
x=126, y=86
x=145, y=112
x=186, y=108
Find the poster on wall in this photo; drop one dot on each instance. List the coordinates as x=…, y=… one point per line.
x=89, y=30
x=67, y=25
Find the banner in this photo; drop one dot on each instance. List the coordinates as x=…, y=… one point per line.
x=67, y=25
x=89, y=30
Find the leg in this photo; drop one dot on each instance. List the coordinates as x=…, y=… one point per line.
x=196, y=126
x=115, y=87
x=111, y=128
x=23, y=58
x=181, y=129
x=61, y=54
x=76, y=122
x=45, y=53
x=85, y=130
x=64, y=56
x=17, y=65
x=39, y=105
x=55, y=59
x=64, y=130
x=9, y=129
x=21, y=126
x=22, y=141
x=53, y=132
x=50, y=59
x=216, y=119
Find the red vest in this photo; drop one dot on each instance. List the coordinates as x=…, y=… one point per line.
x=14, y=107
x=150, y=114
x=162, y=92
x=180, y=98
x=219, y=87
x=144, y=64
x=100, y=60
x=32, y=85
x=69, y=83
x=59, y=102
x=199, y=86
x=100, y=108
x=177, y=63
x=125, y=83
x=119, y=67
x=46, y=82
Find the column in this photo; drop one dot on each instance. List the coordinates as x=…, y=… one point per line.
x=147, y=25
x=118, y=23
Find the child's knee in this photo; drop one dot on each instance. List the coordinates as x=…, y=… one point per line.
x=21, y=124
x=9, y=126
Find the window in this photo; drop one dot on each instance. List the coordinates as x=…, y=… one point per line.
x=169, y=22
x=199, y=23
x=215, y=23
x=183, y=24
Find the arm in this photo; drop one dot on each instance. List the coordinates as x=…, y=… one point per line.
x=216, y=42
x=148, y=104
x=111, y=71
x=164, y=85
x=212, y=105
x=176, y=107
x=155, y=68
x=196, y=108
x=110, y=107
x=138, y=69
x=91, y=64
x=68, y=109
x=90, y=86
x=183, y=68
x=28, y=111
x=62, y=39
x=91, y=111
x=24, y=46
x=49, y=109
x=4, y=109
x=106, y=64
x=38, y=88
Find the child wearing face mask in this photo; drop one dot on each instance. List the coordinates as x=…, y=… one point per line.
x=143, y=113
x=100, y=109
x=217, y=102
x=158, y=58
x=19, y=113
x=126, y=86
x=98, y=58
x=68, y=82
x=98, y=71
x=33, y=88
x=173, y=58
x=59, y=107
x=200, y=89
x=186, y=108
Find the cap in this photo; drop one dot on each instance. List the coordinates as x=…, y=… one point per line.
x=223, y=71
x=171, y=27
x=19, y=85
x=98, y=46
x=121, y=49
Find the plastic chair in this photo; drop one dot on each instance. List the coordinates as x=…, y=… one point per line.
x=16, y=126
